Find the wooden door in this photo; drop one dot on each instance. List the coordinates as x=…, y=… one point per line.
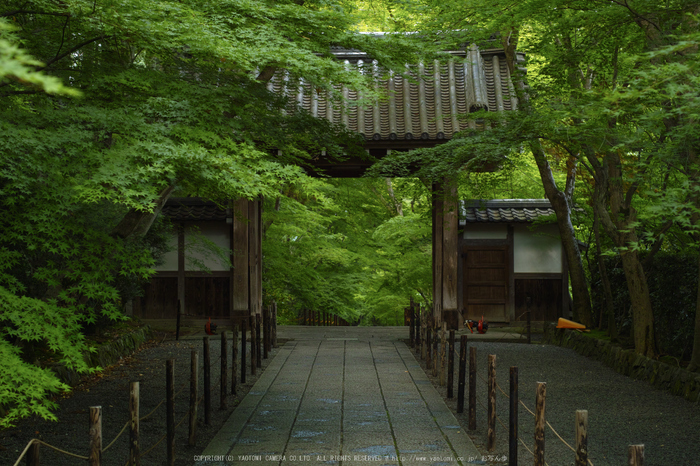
x=486, y=274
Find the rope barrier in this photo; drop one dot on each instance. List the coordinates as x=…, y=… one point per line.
x=36, y=440
x=529, y=411
x=115, y=438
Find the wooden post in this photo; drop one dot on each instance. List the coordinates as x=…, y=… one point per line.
x=472, y=388
x=491, y=431
x=411, y=327
x=419, y=339
x=513, y=420
x=194, y=396
x=253, y=347
x=170, y=410
x=95, y=453
x=234, y=360
x=258, y=341
x=224, y=371
x=429, y=346
x=134, y=459
x=636, y=455
x=443, y=353
x=436, y=356
x=451, y=366
x=244, y=337
x=581, y=437
x=424, y=333
x=529, y=322
x=274, y=324
x=266, y=331
x=33, y=454
x=207, y=382
x=462, y=373
x=540, y=423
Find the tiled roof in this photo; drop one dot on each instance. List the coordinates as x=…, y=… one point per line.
x=189, y=209
x=424, y=109
x=503, y=210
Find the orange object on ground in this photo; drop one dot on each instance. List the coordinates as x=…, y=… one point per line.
x=564, y=323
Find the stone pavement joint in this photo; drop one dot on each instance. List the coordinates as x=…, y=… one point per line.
x=344, y=396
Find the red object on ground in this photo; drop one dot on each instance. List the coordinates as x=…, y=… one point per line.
x=210, y=328
x=482, y=326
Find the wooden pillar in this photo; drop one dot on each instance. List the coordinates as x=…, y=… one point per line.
x=445, y=253
x=239, y=276
x=438, y=222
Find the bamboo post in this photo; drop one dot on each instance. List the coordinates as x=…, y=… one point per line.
x=207, y=382
x=33, y=454
x=491, y=431
x=540, y=423
x=636, y=455
x=513, y=420
x=95, y=453
x=581, y=437
x=451, y=365
x=443, y=353
x=194, y=396
x=234, y=360
x=472, y=388
x=462, y=373
x=244, y=337
x=258, y=341
x=170, y=410
x=134, y=459
x=224, y=372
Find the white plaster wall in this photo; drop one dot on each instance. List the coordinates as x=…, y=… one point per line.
x=216, y=232
x=537, y=251
x=485, y=231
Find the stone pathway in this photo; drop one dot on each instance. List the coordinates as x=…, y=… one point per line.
x=345, y=396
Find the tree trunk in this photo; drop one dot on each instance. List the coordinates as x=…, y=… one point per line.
x=560, y=204
x=618, y=224
x=604, y=279
x=642, y=315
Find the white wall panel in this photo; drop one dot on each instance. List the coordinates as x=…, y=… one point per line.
x=537, y=251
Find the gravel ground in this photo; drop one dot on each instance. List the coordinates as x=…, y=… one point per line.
x=621, y=411
x=111, y=391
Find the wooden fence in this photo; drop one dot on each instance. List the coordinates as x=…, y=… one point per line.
x=424, y=338
x=262, y=338
x=320, y=318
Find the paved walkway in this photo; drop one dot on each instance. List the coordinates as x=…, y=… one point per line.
x=345, y=396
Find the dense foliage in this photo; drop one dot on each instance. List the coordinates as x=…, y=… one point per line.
x=108, y=108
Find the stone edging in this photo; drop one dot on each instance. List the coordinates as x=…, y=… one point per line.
x=663, y=376
x=106, y=354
